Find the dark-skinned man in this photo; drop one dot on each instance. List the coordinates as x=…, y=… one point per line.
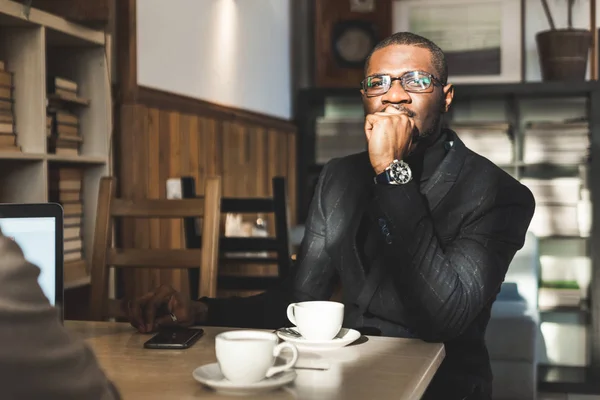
x=419, y=230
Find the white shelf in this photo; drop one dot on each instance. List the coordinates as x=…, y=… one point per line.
x=57, y=158
x=77, y=283
x=35, y=48
x=15, y=155
x=62, y=32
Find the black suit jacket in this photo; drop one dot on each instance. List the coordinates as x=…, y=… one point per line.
x=443, y=250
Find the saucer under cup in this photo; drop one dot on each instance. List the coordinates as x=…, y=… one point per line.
x=247, y=356
x=317, y=320
x=210, y=375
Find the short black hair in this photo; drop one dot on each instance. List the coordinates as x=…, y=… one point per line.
x=438, y=58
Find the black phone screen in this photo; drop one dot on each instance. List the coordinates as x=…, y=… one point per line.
x=180, y=338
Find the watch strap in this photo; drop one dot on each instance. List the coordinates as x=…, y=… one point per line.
x=383, y=178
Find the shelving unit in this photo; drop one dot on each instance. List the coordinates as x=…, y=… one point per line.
x=311, y=104
x=36, y=46
x=515, y=104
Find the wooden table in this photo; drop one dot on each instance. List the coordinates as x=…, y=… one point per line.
x=372, y=367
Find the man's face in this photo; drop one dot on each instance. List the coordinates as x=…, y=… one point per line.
x=426, y=107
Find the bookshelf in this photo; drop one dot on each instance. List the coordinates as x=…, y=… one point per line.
x=36, y=48
x=562, y=252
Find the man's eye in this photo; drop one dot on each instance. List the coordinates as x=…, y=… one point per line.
x=375, y=82
x=419, y=82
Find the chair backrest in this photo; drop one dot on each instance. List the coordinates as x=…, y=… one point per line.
x=280, y=243
x=105, y=255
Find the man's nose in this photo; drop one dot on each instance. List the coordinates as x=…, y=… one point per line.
x=396, y=94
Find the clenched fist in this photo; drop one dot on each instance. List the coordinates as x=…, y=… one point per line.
x=389, y=135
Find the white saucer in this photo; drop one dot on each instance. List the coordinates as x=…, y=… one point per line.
x=344, y=338
x=211, y=376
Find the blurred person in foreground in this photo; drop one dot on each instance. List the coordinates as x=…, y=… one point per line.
x=39, y=359
x=419, y=225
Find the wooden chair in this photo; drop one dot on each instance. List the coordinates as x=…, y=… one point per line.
x=106, y=256
x=279, y=244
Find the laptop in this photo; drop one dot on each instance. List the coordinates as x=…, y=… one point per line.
x=38, y=230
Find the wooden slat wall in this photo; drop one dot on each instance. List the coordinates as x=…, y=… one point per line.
x=157, y=143
x=161, y=135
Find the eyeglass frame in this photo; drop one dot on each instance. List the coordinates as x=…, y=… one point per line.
x=399, y=78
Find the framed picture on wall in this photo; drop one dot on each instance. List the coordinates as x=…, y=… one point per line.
x=482, y=39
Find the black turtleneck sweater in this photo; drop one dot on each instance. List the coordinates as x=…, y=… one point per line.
x=422, y=164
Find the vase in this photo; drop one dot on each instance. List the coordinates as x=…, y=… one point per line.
x=564, y=54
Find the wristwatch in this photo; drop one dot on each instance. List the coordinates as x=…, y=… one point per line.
x=398, y=173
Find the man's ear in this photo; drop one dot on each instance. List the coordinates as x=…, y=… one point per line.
x=448, y=96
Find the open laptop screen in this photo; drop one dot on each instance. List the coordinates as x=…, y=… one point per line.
x=37, y=239
x=37, y=229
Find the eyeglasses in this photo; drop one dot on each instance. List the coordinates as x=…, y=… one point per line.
x=413, y=81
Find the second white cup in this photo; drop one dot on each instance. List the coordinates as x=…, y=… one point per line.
x=247, y=356
x=317, y=320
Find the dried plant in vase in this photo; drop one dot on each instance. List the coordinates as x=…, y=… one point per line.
x=563, y=52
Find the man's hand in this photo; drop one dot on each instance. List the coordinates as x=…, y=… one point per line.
x=154, y=310
x=389, y=134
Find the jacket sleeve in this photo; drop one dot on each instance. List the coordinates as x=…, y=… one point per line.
x=38, y=357
x=446, y=286
x=310, y=278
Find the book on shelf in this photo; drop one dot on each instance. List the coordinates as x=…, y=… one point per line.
x=49, y=120
x=550, y=297
x=62, y=87
x=65, y=137
x=8, y=135
x=75, y=270
x=489, y=139
x=556, y=142
x=66, y=184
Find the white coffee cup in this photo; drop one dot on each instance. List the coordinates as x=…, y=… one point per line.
x=317, y=320
x=247, y=356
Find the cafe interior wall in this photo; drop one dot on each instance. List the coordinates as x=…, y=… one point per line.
x=234, y=53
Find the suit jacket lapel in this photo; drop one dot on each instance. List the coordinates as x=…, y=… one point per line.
x=446, y=174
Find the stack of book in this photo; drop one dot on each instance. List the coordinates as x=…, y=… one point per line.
x=8, y=136
x=491, y=140
x=556, y=212
x=563, y=142
x=66, y=188
x=64, y=137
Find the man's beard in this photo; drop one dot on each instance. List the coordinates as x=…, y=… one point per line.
x=429, y=133
x=435, y=128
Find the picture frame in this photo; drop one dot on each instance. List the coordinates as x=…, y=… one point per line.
x=482, y=39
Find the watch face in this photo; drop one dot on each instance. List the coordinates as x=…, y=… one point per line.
x=400, y=172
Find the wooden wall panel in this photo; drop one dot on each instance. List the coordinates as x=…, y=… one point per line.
x=158, y=143
x=161, y=135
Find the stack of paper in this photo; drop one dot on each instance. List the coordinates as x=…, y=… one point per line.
x=556, y=142
x=489, y=139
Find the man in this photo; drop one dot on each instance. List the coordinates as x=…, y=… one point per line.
x=38, y=358
x=419, y=229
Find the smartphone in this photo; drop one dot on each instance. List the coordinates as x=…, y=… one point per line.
x=176, y=339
